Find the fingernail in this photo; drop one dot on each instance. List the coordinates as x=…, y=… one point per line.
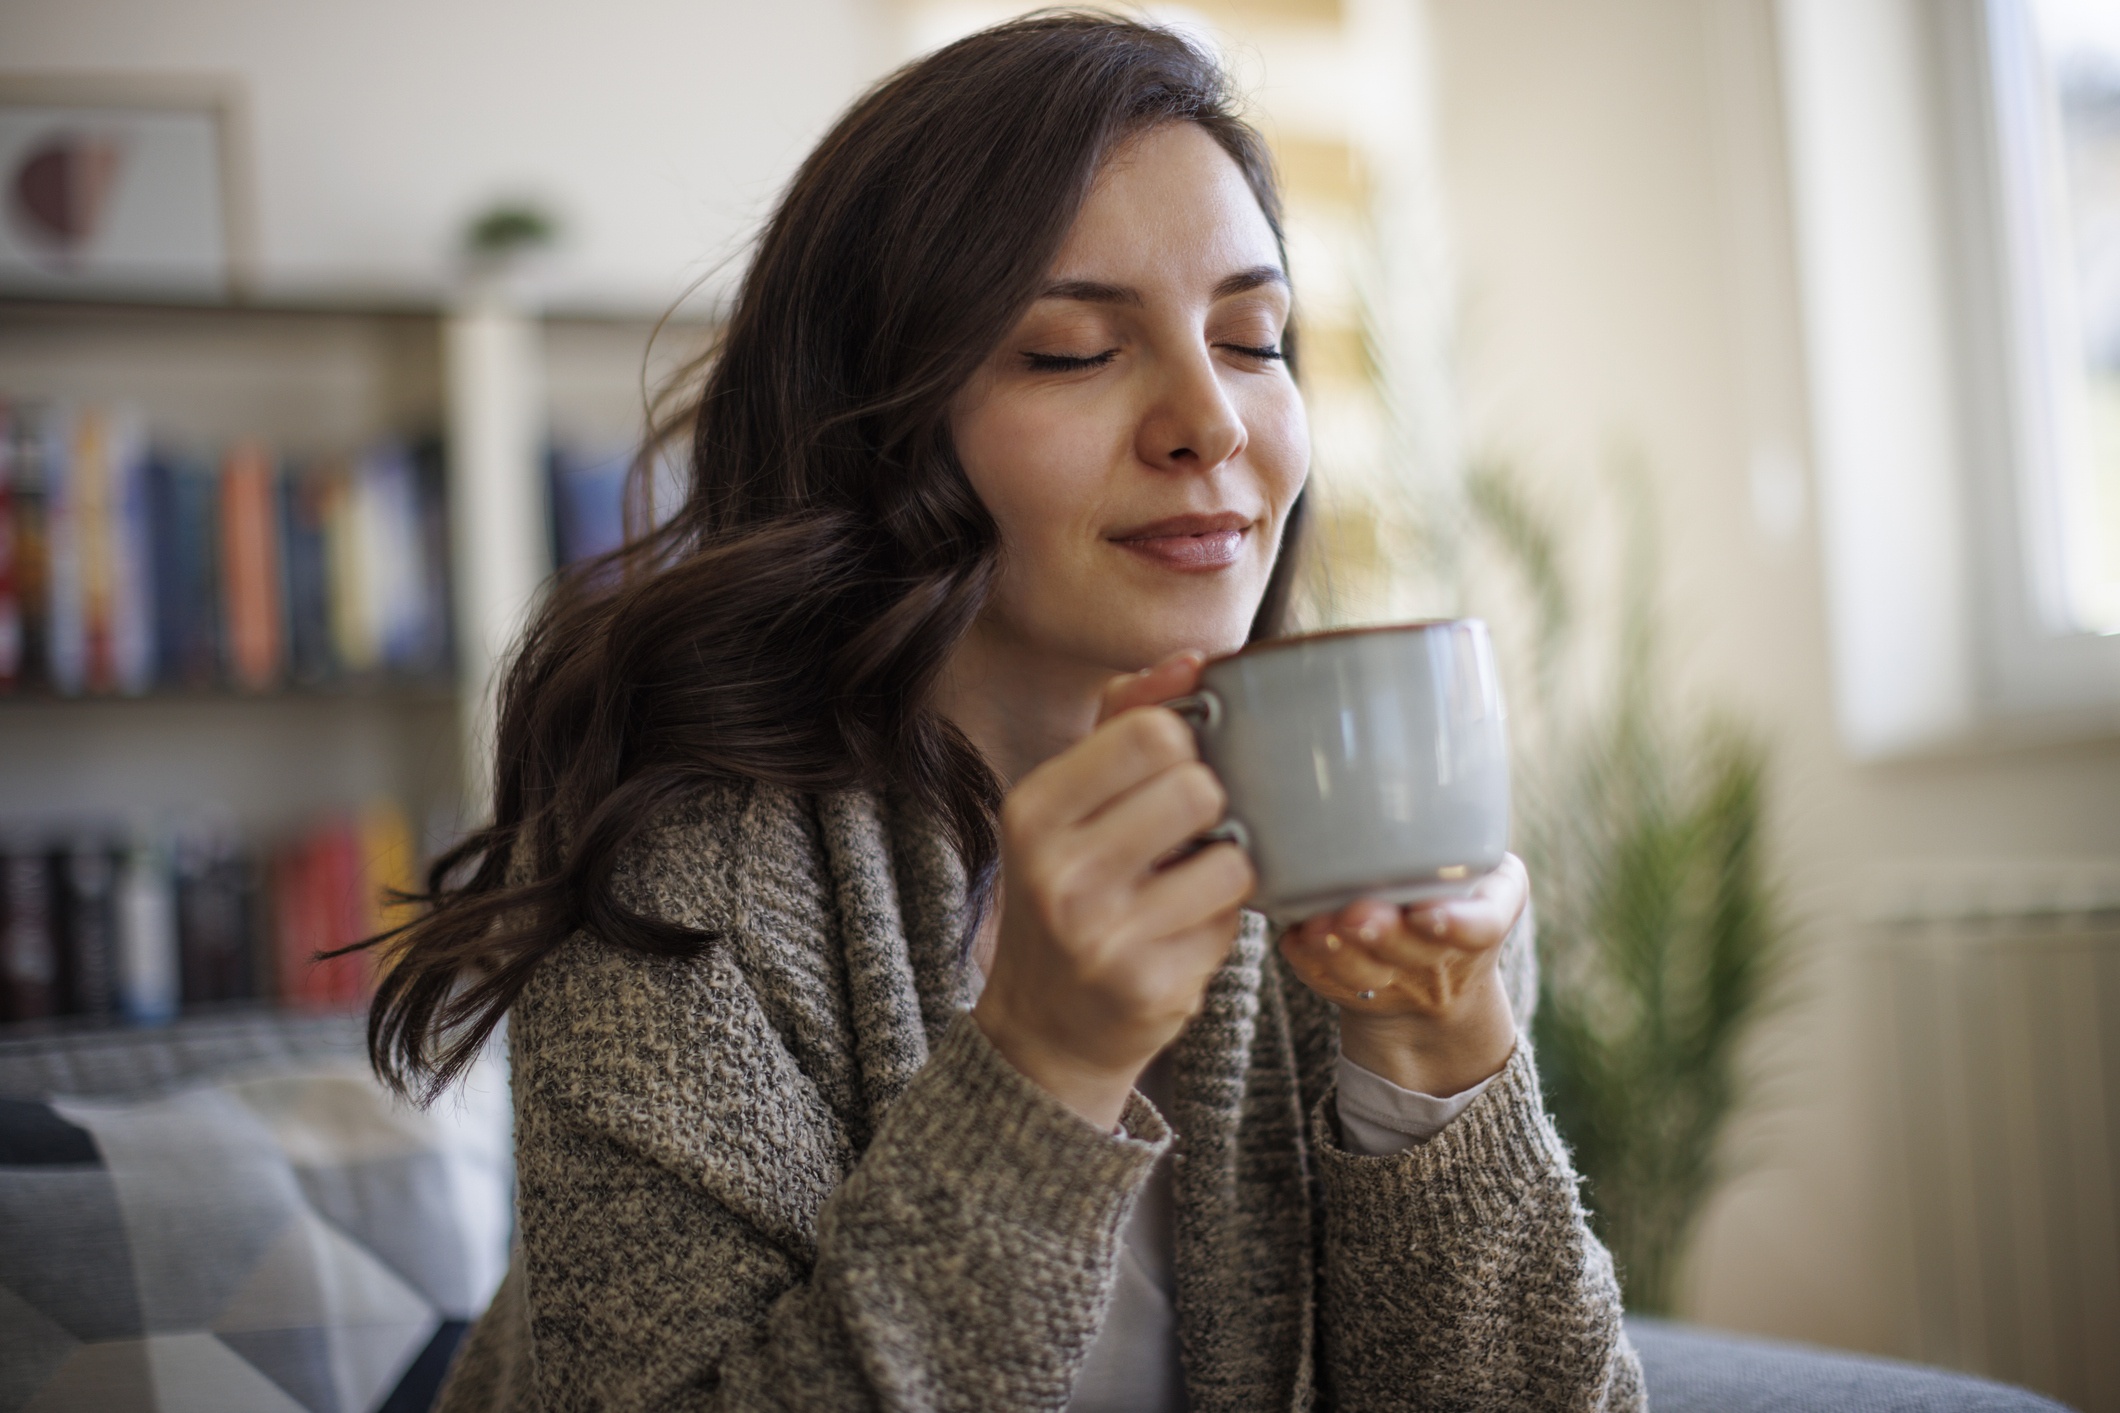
x=1369, y=931
x=1332, y=941
x=1439, y=923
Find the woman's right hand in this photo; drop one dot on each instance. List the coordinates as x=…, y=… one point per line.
x=1105, y=950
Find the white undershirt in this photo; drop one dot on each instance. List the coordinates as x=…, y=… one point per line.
x=1133, y=1367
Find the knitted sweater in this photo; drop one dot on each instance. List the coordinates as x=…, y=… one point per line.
x=790, y=1174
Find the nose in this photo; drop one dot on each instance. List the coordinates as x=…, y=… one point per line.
x=1191, y=426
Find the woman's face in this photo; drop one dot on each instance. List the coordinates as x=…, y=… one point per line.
x=1137, y=436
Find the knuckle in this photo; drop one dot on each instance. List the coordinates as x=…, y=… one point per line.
x=1204, y=796
x=1161, y=735
x=1020, y=816
x=1044, y=874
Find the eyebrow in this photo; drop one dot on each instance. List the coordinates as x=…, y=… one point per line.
x=1097, y=292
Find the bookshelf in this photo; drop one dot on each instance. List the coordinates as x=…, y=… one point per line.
x=368, y=762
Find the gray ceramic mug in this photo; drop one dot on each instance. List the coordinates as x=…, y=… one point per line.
x=1365, y=763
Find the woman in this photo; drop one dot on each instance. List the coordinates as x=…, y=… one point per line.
x=1001, y=437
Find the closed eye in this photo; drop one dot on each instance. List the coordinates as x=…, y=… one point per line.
x=1249, y=352
x=1067, y=363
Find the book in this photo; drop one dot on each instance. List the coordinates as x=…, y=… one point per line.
x=148, y=971
x=84, y=874
x=216, y=907
x=389, y=867
x=311, y=657
x=251, y=584
x=29, y=959
x=183, y=497
x=65, y=588
x=355, y=641
x=399, y=601
x=132, y=568
x=434, y=542
x=319, y=908
x=26, y=469
x=93, y=494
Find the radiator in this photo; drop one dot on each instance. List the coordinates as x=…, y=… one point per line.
x=2002, y=1041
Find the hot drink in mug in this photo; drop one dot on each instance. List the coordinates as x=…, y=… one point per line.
x=1363, y=763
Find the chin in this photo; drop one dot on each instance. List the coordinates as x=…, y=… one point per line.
x=1163, y=635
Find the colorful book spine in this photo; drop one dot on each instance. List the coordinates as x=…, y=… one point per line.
x=148, y=974
x=251, y=568
x=132, y=587
x=355, y=642
x=124, y=567
x=396, y=582
x=320, y=909
x=389, y=866
x=303, y=496
x=66, y=592
x=143, y=931
x=94, y=482
x=195, y=574
x=344, y=906
x=434, y=553
x=27, y=472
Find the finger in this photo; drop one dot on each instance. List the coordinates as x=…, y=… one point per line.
x=1131, y=834
x=1122, y=753
x=1366, y=919
x=1173, y=677
x=1184, y=960
x=1480, y=919
x=1187, y=894
x=1341, y=976
x=1319, y=932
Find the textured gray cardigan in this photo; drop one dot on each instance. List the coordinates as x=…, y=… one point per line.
x=791, y=1174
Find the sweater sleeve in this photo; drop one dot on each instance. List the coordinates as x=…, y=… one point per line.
x=961, y=1263
x=1462, y=1273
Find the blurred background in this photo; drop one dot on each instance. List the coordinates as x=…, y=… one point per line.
x=1752, y=365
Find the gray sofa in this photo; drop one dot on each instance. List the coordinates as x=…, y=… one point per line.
x=1692, y=1370
x=227, y=1213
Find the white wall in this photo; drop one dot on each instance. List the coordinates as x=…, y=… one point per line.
x=658, y=130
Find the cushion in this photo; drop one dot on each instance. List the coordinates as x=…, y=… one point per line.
x=269, y=1230
x=1699, y=1371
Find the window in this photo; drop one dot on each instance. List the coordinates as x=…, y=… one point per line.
x=2055, y=68
x=1955, y=169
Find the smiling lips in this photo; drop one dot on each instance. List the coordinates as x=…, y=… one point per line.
x=1189, y=543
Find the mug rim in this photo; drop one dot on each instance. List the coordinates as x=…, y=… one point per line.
x=1295, y=640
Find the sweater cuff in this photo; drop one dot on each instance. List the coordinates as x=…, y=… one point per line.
x=1378, y=1117
x=1482, y=1164
x=1029, y=1158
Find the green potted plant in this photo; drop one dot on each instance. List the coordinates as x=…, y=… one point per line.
x=1661, y=930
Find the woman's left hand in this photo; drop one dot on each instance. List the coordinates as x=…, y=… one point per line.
x=1418, y=987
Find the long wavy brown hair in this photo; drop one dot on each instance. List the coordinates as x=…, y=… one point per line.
x=788, y=622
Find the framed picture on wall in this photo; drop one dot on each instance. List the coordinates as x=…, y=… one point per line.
x=121, y=187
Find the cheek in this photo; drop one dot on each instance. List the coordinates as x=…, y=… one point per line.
x=1036, y=465
x=1279, y=428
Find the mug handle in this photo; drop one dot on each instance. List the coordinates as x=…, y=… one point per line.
x=1203, y=712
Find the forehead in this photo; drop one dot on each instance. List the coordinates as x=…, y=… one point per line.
x=1169, y=203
